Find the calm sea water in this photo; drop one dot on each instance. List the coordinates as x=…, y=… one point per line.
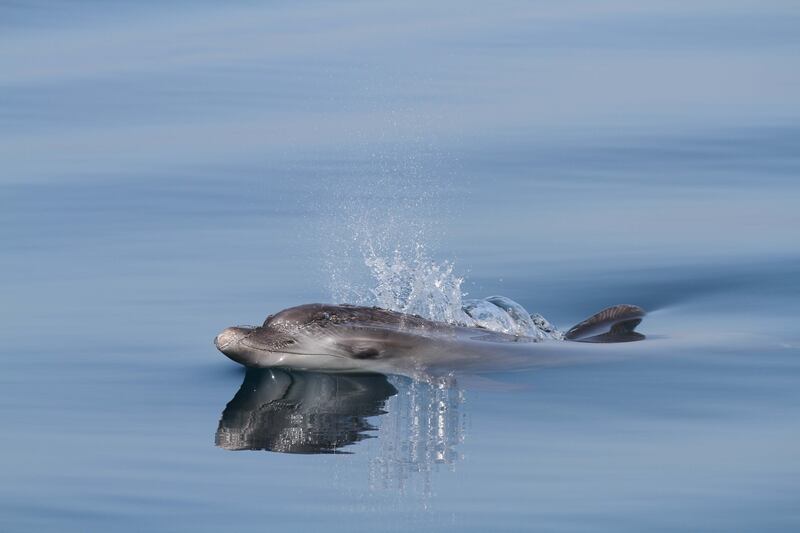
x=171, y=170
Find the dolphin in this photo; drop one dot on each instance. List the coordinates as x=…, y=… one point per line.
x=349, y=338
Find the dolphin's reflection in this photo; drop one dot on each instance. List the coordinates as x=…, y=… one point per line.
x=419, y=423
x=302, y=412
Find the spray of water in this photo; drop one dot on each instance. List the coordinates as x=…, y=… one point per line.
x=384, y=219
x=392, y=270
x=416, y=285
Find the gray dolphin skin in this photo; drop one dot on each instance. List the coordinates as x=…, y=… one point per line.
x=348, y=338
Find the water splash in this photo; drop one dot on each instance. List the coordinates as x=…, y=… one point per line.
x=417, y=285
x=382, y=222
x=401, y=276
x=499, y=313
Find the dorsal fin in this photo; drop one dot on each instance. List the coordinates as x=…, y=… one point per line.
x=613, y=324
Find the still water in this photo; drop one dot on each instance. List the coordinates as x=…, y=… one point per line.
x=169, y=170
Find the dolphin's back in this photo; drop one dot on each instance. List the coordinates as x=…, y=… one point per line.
x=613, y=324
x=320, y=314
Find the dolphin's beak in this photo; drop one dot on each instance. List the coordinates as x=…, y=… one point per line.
x=227, y=341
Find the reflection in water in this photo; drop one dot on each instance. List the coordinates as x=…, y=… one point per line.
x=302, y=412
x=419, y=423
x=424, y=425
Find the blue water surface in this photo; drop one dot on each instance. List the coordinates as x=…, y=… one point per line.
x=170, y=169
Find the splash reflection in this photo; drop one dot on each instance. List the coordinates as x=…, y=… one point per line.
x=425, y=424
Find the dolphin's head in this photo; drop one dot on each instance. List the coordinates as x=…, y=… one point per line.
x=265, y=346
x=299, y=337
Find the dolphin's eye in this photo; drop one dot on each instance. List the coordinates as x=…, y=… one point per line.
x=290, y=341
